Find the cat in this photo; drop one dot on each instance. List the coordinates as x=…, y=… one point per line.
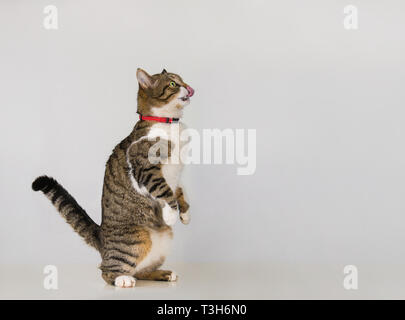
x=141, y=199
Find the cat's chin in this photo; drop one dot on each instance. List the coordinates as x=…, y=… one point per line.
x=182, y=103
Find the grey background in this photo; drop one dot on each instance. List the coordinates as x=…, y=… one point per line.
x=327, y=104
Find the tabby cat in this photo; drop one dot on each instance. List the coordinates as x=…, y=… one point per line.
x=141, y=198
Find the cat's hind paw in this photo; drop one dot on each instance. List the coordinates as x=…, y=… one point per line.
x=124, y=282
x=172, y=276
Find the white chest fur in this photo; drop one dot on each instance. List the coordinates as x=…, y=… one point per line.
x=173, y=133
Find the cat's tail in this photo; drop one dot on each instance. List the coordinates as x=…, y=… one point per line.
x=69, y=209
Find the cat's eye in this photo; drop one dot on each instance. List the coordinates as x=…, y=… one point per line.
x=172, y=84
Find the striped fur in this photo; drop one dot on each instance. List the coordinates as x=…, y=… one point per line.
x=69, y=209
x=134, y=236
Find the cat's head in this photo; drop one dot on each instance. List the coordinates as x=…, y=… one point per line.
x=162, y=95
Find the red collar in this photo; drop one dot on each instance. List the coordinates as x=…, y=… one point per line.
x=158, y=119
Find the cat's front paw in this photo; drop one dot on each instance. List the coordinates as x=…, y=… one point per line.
x=124, y=282
x=185, y=217
x=169, y=215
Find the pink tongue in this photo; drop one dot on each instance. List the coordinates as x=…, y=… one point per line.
x=190, y=91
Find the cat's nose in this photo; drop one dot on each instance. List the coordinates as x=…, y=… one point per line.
x=190, y=91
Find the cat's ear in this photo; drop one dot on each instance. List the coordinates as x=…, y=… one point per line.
x=144, y=79
x=164, y=71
